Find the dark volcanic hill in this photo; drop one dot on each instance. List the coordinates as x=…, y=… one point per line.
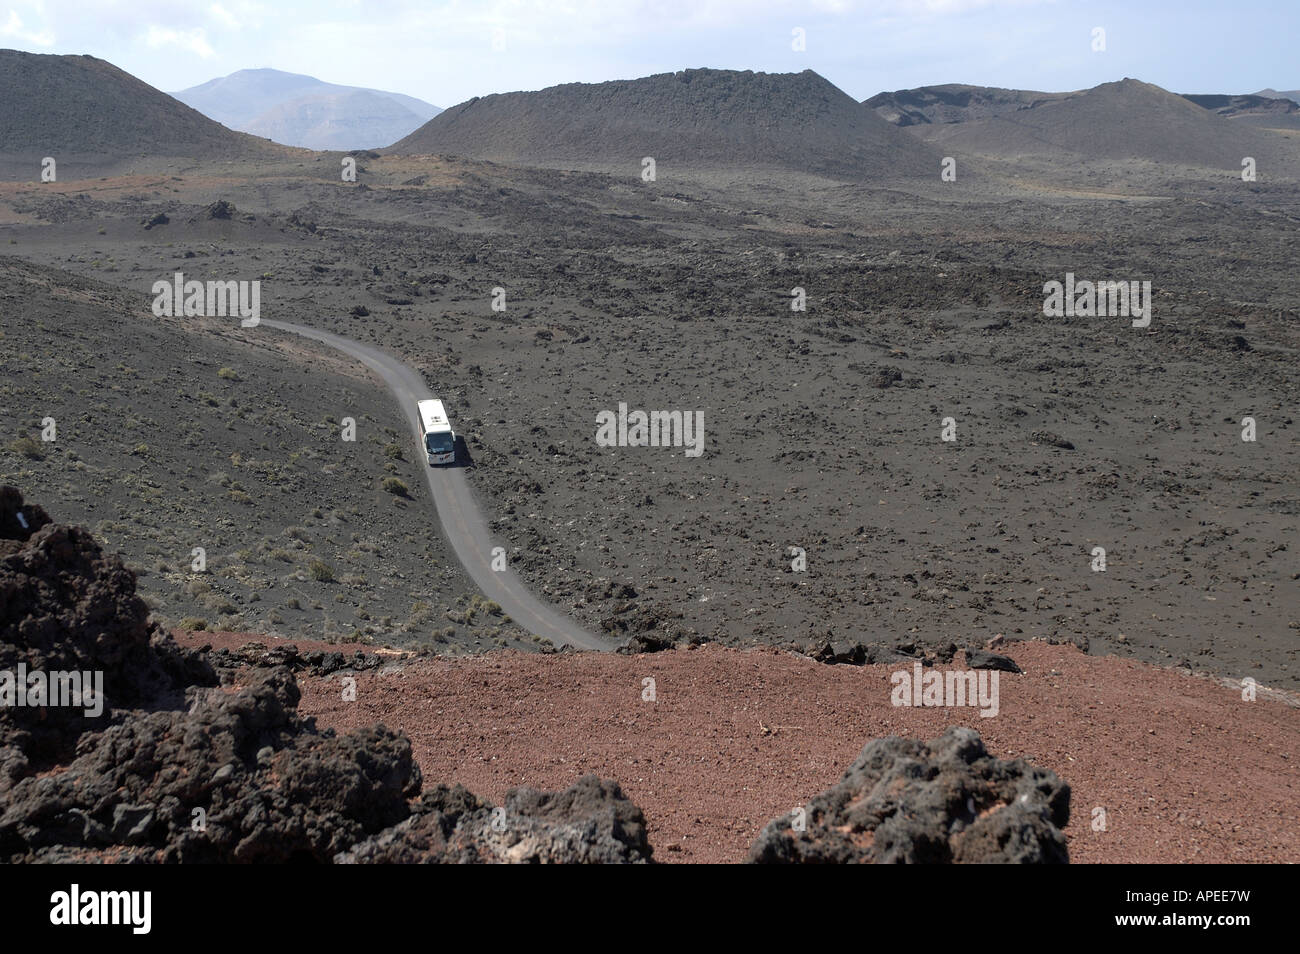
x=80, y=105
x=1237, y=105
x=1128, y=119
x=1269, y=111
x=701, y=117
x=953, y=103
x=960, y=103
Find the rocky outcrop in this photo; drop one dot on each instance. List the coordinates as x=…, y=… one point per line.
x=640, y=643
x=18, y=522
x=590, y=823
x=851, y=652
x=221, y=209
x=238, y=778
x=313, y=662
x=171, y=767
x=67, y=607
x=946, y=801
x=983, y=659
x=178, y=768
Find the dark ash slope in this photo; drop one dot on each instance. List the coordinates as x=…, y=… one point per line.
x=81, y=105
x=703, y=117
x=1127, y=119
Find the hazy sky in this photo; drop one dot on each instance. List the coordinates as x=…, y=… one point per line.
x=446, y=52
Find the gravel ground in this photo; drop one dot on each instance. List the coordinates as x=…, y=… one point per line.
x=1184, y=770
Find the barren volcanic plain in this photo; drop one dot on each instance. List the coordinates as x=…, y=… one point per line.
x=917, y=458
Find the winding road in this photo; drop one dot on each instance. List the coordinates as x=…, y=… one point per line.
x=462, y=522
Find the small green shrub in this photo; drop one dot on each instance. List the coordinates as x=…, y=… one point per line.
x=28, y=448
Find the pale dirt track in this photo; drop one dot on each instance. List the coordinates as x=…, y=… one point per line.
x=462, y=522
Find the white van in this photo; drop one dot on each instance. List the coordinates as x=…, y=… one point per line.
x=439, y=438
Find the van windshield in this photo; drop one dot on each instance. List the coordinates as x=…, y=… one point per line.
x=440, y=443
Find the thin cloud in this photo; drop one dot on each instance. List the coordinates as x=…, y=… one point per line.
x=14, y=27
x=195, y=41
x=225, y=17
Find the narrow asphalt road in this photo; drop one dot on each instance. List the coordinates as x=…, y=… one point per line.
x=462, y=522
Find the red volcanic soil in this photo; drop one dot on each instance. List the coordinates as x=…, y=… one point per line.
x=1184, y=769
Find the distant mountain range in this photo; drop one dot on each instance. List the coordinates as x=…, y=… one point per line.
x=725, y=119
x=1292, y=94
x=1128, y=119
x=301, y=110
x=958, y=103
x=1275, y=112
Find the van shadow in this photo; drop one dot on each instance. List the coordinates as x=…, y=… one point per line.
x=463, y=457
